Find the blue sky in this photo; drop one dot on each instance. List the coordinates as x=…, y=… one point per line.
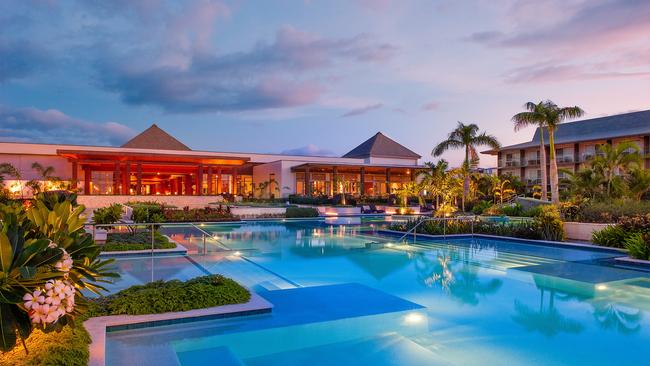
x=315, y=77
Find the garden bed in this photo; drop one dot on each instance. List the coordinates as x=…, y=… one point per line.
x=70, y=346
x=119, y=242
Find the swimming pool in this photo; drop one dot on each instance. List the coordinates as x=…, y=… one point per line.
x=467, y=301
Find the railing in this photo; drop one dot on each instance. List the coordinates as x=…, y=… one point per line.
x=533, y=181
x=152, y=227
x=564, y=159
x=534, y=162
x=413, y=230
x=512, y=163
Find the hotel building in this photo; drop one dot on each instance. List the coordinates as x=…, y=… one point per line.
x=576, y=143
x=155, y=163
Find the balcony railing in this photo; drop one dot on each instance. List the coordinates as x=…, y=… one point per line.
x=534, y=181
x=564, y=159
x=511, y=163
x=534, y=162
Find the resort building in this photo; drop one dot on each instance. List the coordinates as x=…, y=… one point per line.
x=576, y=143
x=155, y=163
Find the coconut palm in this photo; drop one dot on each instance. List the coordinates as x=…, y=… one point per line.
x=638, y=183
x=546, y=114
x=613, y=161
x=466, y=137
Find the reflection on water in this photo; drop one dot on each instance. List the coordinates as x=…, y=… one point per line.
x=451, y=268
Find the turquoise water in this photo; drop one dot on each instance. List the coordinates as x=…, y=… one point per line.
x=485, y=302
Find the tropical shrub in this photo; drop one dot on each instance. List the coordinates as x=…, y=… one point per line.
x=610, y=211
x=136, y=241
x=309, y=200
x=532, y=212
x=296, y=212
x=481, y=206
x=520, y=229
x=147, y=212
x=46, y=259
x=638, y=245
x=550, y=223
x=612, y=236
x=617, y=235
x=508, y=209
x=221, y=213
x=166, y=296
x=108, y=215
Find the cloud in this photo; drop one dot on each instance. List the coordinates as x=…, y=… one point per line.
x=54, y=126
x=19, y=59
x=596, y=36
x=283, y=73
x=590, y=25
x=362, y=110
x=308, y=150
x=432, y=105
x=546, y=72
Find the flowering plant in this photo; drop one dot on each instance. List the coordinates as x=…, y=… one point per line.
x=46, y=258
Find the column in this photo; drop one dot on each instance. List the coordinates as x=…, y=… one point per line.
x=199, y=181
x=127, y=179
x=210, y=181
x=188, y=185
x=307, y=182
x=335, y=183
x=74, y=175
x=387, y=180
x=138, y=179
x=235, y=188
x=522, y=163
x=88, y=174
x=362, y=191
x=116, y=179
x=179, y=185
x=219, y=182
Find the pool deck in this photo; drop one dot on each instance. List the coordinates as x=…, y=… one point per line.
x=97, y=327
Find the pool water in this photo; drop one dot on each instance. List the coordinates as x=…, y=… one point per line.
x=338, y=300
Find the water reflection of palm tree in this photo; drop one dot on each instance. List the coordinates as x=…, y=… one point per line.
x=610, y=315
x=451, y=269
x=546, y=319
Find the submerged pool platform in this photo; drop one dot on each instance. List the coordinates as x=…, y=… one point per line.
x=301, y=317
x=345, y=293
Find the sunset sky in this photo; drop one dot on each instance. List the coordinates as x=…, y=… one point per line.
x=311, y=77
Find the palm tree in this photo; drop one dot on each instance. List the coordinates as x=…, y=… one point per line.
x=546, y=114
x=585, y=182
x=638, y=183
x=10, y=170
x=466, y=137
x=613, y=160
x=433, y=177
x=501, y=189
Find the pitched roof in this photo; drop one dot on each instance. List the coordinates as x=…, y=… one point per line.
x=602, y=128
x=155, y=138
x=381, y=146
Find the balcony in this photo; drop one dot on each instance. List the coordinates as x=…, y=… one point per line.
x=511, y=163
x=534, y=162
x=564, y=159
x=533, y=181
